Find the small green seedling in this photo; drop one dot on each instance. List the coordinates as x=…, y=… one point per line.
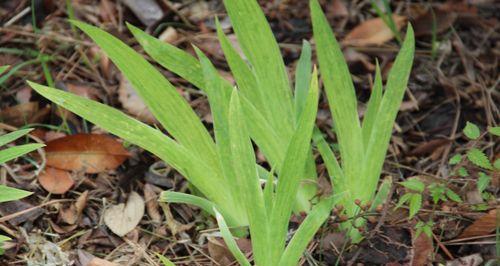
x=477, y=157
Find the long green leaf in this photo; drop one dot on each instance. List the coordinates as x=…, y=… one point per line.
x=9, y=193
x=384, y=122
x=3, y=69
x=219, y=96
x=340, y=92
x=249, y=189
x=170, y=57
x=242, y=73
x=291, y=171
x=332, y=165
x=257, y=42
x=7, y=138
x=178, y=197
x=302, y=78
x=373, y=106
x=162, y=98
x=306, y=231
x=14, y=152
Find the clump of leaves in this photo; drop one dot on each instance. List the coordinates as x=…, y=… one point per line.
x=8, y=193
x=262, y=110
x=363, y=145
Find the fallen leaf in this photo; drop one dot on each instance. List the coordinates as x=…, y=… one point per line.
x=83, y=90
x=471, y=260
x=428, y=147
x=482, y=226
x=132, y=103
x=101, y=262
x=219, y=251
x=72, y=214
x=373, y=32
x=424, y=23
x=20, y=114
x=90, y=153
x=87, y=259
x=123, y=218
x=338, y=9
x=169, y=35
x=422, y=249
x=55, y=181
x=152, y=205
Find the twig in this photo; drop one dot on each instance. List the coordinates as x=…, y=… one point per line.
x=16, y=214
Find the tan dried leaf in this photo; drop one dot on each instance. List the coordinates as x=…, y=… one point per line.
x=123, y=218
x=373, y=32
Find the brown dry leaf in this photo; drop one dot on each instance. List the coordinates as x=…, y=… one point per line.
x=123, y=218
x=471, y=260
x=133, y=103
x=72, y=214
x=90, y=153
x=82, y=90
x=428, y=147
x=152, y=206
x=338, y=9
x=423, y=24
x=104, y=62
x=55, y=181
x=218, y=250
x=422, y=249
x=373, y=32
x=101, y=262
x=21, y=114
x=482, y=226
x=173, y=225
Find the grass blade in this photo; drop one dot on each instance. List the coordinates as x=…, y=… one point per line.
x=3, y=69
x=242, y=73
x=332, y=165
x=388, y=110
x=251, y=28
x=383, y=193
x=164, y=260
x=302, y=79
x=373, y=106
x=9, y=193
x=306, y=231
x=340, y=92
x=249, y=189
x=170, y=57
x=291, y=171
x=7, y=138
x=14, y=152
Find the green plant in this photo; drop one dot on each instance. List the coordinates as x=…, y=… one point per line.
x=362, y=146
x=413, y=198
x=261, y=110
x=477, y=157
x=8, y=193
